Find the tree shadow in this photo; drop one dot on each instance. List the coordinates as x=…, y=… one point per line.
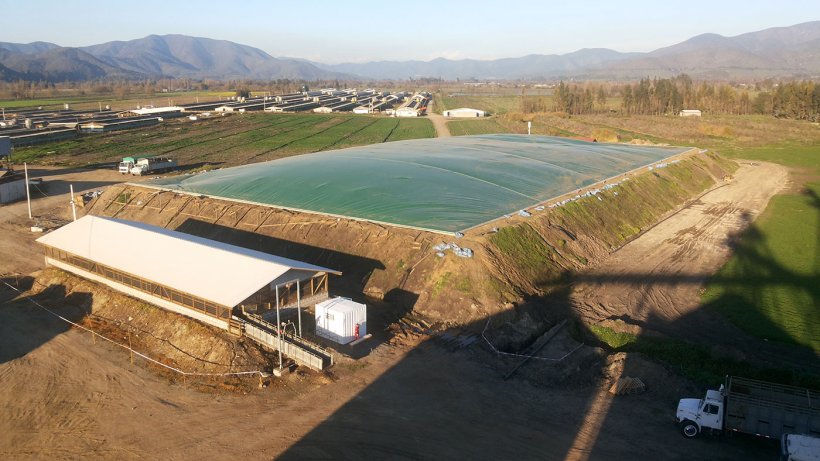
x=432, y=404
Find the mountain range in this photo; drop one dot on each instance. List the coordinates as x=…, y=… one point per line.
x=777, y=52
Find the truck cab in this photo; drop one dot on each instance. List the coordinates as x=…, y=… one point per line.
x=125, y=166
x=695, y=415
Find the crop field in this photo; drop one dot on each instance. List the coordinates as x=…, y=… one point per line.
x=481, y=126
x=230, y=140
x=494, y=104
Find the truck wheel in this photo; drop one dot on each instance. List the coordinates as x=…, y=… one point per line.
x=689, y=429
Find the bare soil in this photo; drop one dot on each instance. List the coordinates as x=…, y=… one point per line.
x=439, y=122
x=408, y=397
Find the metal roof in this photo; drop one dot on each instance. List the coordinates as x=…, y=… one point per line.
x=219, y=272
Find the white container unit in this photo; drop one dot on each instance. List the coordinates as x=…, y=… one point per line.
x=341, y=320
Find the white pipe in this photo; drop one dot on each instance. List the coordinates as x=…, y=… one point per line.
x=73, y=205
x=278, y=327
x=28, y=193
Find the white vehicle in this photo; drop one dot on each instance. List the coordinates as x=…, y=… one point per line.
x=127, y=163
x=752, y=407
x=795, y=447
x=152, y=165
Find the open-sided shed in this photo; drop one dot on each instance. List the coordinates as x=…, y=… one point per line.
x=197, y=277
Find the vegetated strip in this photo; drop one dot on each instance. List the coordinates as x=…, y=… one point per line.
x=698, y=362
x=689, y=153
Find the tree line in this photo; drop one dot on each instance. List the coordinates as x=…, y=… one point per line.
x=668, y=96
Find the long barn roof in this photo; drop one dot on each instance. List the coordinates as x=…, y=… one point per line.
x=219, y=272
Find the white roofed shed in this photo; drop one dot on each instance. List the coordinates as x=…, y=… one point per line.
x=165, y=267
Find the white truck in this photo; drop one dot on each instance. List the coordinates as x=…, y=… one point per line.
x=795, y=447
x=150, y=165
x=752, y=407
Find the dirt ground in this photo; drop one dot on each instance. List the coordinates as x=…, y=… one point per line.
x=50, y=206
x=414, y=397
x=439, y=122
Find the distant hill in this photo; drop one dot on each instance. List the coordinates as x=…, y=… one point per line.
x=183, y=56
x=532, y=66
x=777, y=52
x=57, y=65
x=28, y=48
x=152, y=56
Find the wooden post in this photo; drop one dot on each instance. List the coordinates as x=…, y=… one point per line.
x=299, y=306
x=129, y=345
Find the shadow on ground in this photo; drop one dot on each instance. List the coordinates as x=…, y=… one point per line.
x=24, y=327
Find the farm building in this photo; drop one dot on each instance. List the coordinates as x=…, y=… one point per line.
x=690, y=113
x=159, y=111
x=407, y=112
x=465, y=112
x=127, y=124
x=197, y=277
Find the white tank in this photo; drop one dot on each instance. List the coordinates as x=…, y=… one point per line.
x=341, y=320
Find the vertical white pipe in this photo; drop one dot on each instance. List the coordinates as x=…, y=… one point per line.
x=28, y=193
x=73, y=205
x=278, y=327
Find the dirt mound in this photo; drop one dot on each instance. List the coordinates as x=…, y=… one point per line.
x=172, y=339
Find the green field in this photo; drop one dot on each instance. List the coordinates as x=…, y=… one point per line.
x=480, y=126
x=494, y=104
x=230, y=140
x=771, y=286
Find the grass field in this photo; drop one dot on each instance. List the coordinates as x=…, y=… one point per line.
x=480, y=126
x=231, y=140
x=771, y=285
x=494, y=104
x=698, y=362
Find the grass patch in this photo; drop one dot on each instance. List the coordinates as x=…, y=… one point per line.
x=441, y=283
x=771, y=285
x=479, y=126
x=769, y=288
x=697, y=362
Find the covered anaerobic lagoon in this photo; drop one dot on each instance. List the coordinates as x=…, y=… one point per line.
x=440, y=184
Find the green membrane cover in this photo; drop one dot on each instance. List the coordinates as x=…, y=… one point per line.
x=444, y=184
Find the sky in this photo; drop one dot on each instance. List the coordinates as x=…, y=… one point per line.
x=369, y=30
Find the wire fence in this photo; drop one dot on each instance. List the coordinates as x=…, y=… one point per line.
x=259, y=373
x=511, y=354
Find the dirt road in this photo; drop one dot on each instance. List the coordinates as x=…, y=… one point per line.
x=654, y=282
x=439, y=122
